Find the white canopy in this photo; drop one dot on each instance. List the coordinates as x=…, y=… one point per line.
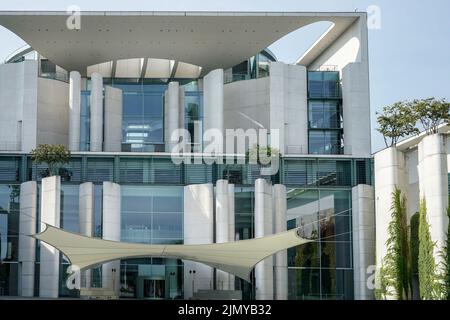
x=237, y=258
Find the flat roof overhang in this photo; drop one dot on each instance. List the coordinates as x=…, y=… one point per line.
x=211, y=40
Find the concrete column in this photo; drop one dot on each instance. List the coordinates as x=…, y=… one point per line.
x=390, y=172
x=289, y=106
x=433, y=186
x=27, y=245
x=222, y=228
x=213, y=104
x=111, y=231
x=264, y=227
x=356, y=110
x=86, y=211
x=363, y=221
x=74, y=110
x=198, y=229
x=113, y=119
x=96, y=112
x=280, y=212
x=172, y=114
x=232, y=225
x=49, y=259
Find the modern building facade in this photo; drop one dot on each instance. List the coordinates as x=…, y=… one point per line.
x=115, y=90
x=420, y=168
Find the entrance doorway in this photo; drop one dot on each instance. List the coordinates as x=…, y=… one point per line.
x=154, y=289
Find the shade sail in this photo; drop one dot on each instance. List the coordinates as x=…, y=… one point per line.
x=237, y=258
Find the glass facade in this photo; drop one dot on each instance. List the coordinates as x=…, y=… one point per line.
x=253, y=68
x=319, y=201
x=323, y=269
x=325, y=118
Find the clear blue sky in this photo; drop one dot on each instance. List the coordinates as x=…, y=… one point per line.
x=409, y=55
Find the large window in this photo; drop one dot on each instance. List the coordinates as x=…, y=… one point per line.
x=193, y=118
x=325, y=114
x=323, y=84
x=152, y=215
x=325, y=142
x=321, y=269
x=143, y=116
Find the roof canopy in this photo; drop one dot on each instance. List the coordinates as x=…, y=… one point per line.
x=237, y=258
x=209, y=40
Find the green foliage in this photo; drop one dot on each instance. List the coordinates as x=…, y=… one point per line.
x=428, y=278
x=395, y=273
x=395, y=122
x=414, y=236
x=431, y=113
x=52, y=155
x=261, y=154
x=445, y=291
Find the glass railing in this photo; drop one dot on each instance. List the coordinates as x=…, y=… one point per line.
x=60, y=76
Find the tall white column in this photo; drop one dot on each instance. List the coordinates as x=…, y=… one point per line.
x=172, y=114
x=111, y=231
x=363, y=222
x=433, y=185
x=49, y=259
x=96, y=100
x=74, y=110
x=356, y=109
x=289, y=106
x=27, y=245
x=390, y=172
x=280, y=213
x=198, y=229
x=263, y=227
x=222, y=228
x=113, y=119
x=213, y=104
x=86, y=211
x=232, y=225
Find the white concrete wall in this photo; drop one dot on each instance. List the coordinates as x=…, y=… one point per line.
x=356, y=110
x=86, y=219
x=263, y=227
x=213, y=103
x=246, y=104
x=53, y=112
x=113, y=119
x=390, y=172
x=27, y=245
x=111, y=231
x=198, y=229
x=433, y=185
x=289, y=106
x=363, y=222
x=351, y=46
x=280, y=222
x=74, y=110
x=96, y=100
x=171, y=114
x=49, y=259
x=18, y=106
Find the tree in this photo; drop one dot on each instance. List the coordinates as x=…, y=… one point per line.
x=53, y=155
x=428, y=279
x=395, y=273
x=431, y=113
x=396, y=122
